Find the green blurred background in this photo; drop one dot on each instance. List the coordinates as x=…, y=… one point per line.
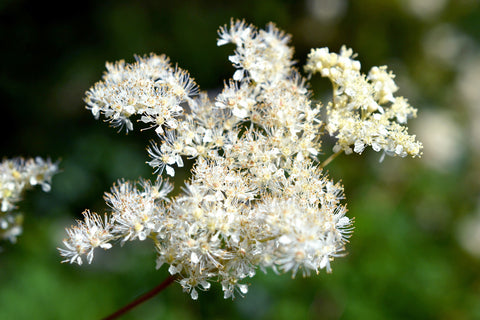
x=415, y=252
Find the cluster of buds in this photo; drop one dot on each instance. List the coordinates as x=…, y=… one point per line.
x=258, y=197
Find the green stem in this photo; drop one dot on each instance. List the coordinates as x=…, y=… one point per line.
x=329, y=159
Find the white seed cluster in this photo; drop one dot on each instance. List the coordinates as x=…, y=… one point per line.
x=258, y=197
x=16, y=176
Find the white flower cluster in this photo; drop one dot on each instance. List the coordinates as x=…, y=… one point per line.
x=364, y=112
x=16, y=176
x=258, y=197
x=137, y=212
x=151, y=88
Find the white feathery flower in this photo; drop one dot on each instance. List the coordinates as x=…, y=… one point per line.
x=16, y=176
x=83, y=238
x=136, y=211
x=383, y=84
x=261, y=55
x=167, y=154
x=258, y=197
x=364, y=108
x=150, y=88
x=238, y=32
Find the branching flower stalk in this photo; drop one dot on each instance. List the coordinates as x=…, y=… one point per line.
x=258, y=197
x=16, y=176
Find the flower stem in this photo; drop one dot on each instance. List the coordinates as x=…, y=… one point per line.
x=329, y=159
x=143, y=298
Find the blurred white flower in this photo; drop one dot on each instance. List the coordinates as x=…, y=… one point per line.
x=425, y=9
x=447, y=44
x=467, y=87
x=468, y=233
x=443, y=139
x=326, y=10
x=16, y=176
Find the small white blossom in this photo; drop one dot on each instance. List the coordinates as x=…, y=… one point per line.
x=260, y=55
x=83, y=238
x=135, y=210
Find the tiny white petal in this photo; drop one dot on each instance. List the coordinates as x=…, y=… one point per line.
x=235, y=59
x=324, y=262
x=238, y=75
x=284, y=240
x=170, y=170
x=222, y=42
x=243, y=288
x=194, y=294
x=172, y=270
x=194, y=258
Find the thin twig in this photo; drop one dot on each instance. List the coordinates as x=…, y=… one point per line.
x=329, y=159
x=143, y=298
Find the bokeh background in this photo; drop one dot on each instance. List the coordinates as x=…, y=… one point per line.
x=415, y=252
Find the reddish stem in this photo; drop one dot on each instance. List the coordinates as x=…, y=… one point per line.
x=143, y=298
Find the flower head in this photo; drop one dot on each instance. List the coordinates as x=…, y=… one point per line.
x=364, y=111
x=257, y=198
x=16, y=176
x=150, y=88
x=87, y=235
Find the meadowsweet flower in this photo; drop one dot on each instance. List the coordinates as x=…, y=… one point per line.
x=167, y=154
x=364, y=109
x=258, y=197
x=260, y=55
x=82, y=239
x=16, y=176
x=135, y=210
x=150, y=88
